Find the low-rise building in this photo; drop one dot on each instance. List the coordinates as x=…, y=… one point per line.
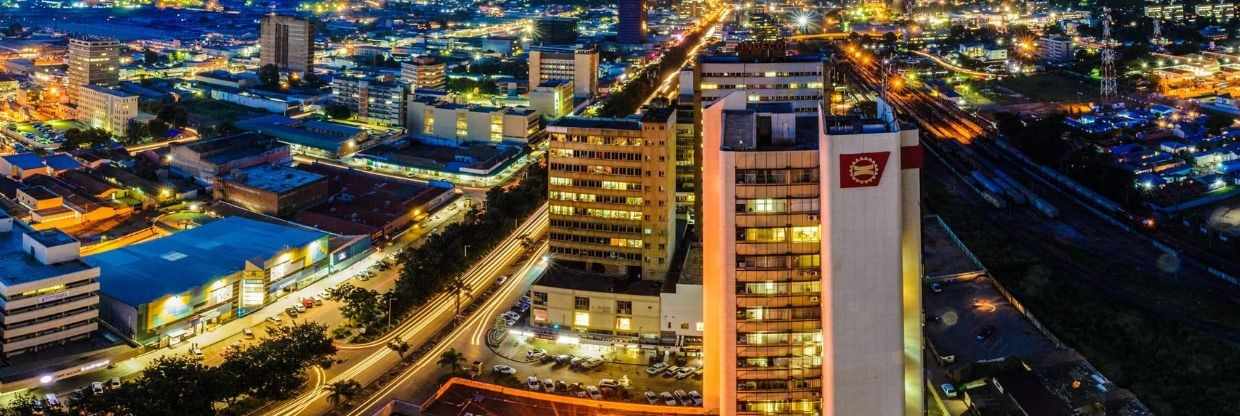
x=365, y=204
x=313, y=138
x=222, y=78
x=273, y=190
x=50, y=296
x=164, y=290
x=439, y=122
x=207, y=159
x=614, y=310
x=552, y=99
x=106, y=108
x=1056, y=48
x=25, y=165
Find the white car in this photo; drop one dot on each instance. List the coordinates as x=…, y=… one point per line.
x=548, y=385
x=684, y=372
x=667, y=398
x=591, y=363
x=652, y=398
x=681, y=397
x=510, y=316
x=96, y=387
x=696, y=397
x=607, y=382
x=503, y=369
x=671, y=371
x=594, y=393
x=535, y=354
x=532, y=383
x=656, y=368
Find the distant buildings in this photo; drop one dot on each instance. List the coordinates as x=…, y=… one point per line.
x=92, y=61
x=433, y=121
x=579, y=65
x=50, y=295
x=223, y=270
x=423, y=72
x=632, y=21
x=555, y=30
x=552, y=99
x=1171, y=12
x=1217, y=12
x=272, y=189
x=208, y=159
x=378, y=100
x=812, y=257
x=612, y=193
x=286, y=42
x=107, y=109
x=1056, y=48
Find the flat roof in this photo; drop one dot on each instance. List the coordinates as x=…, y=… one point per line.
x=143, y=272
x=18, y=267
x=564, y=277
x=597, y=123
x=272, y=178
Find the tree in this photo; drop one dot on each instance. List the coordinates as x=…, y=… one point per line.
x=361, y=306
x=157, y=129
x=78, y=138
x=338, y=111
x=343, y=391
x=456, y=284
x=451, y=359
x=135, y=132
x=401, y=347
x=269, y=76
x=26, y=404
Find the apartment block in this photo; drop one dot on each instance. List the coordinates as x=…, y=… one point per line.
x=286, y=42
x=576, y=64
x=435, y=121
x=811, y=262
x=424, y=72
x=612, y=193
x=48, y=296
x=552, y=99
x=378, y=100
x=107, y=109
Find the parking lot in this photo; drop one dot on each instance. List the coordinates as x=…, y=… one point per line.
x=971, y=320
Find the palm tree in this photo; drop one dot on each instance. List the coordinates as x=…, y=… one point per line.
x=452, y=359
x=457, y=285
x=401, y=347
x=343, y=391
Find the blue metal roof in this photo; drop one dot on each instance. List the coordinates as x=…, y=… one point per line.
x=141, y=273
x=25, y=160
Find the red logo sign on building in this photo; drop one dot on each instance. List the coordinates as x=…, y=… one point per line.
x=860, y=170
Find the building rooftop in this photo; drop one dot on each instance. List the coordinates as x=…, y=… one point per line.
x=316, y=134
x=597, y=123
x=24, y=160
x=144, y=272
x=18, y=266
x=271, y=178
x=109, y=91
x=227, y=149
x=363, y=203
x=569, y=278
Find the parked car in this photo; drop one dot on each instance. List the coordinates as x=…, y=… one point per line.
x=607, y=382
x=535, y=354
x=696, y=397
x=114, y=383
x=96, y=387
x=592, y=363
x=503, y=369
x=651, y=397
x=561, y=386
x=548, y=385
x=681, y=397
x=577, y=361
x=510, y=315
x=300, y=308
x=671, y=371
x=249, y=333
x=656, y=368
x=51, y=400
x=532, y=383
x=196, y=351
x=684, y=372
x=594, y=393
x=667, y=398
x=275, y=319
x=563, y=359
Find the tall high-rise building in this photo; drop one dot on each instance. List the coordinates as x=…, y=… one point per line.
x=555, y=30
x=811, y=262
x=92, y=61
x=612, y=193
x=579, y=65
x=287, y=42
x=424, y=72
x=631, y=27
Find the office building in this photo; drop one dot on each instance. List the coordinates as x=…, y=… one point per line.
x=555, y=30
x=437, y=122
x=552, y=99
x=286, y=42
x=206, y=160
x=631, y=25
x=612, y=193
x=625, y=310
x=579, y=65
x=92, y=61
x=811, y=262
x=378, y=100
x=687, y=143
x=1216, y=12
x=423, y=72
x=224, y=269
x=1171, y=12
x=50, y=296
x=107, y=109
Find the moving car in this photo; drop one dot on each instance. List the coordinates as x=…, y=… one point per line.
x=503, y=369
x=249, y=333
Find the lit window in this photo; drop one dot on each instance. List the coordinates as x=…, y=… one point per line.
x=581, y=319
x=701, y=326
x=622, y=324
x=808, y=234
